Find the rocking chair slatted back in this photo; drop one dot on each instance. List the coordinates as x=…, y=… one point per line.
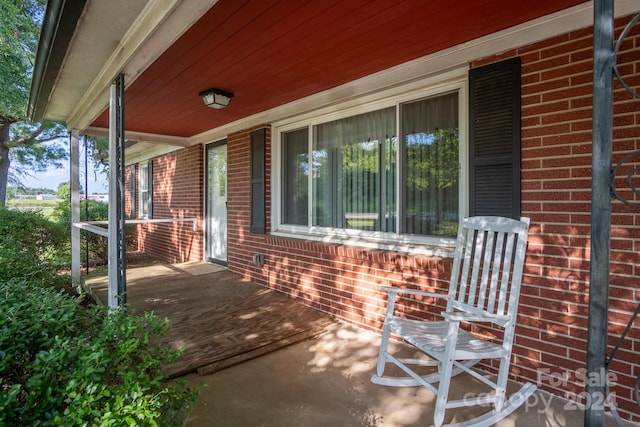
x=487, y=271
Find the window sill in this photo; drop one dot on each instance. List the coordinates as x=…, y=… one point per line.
x=414, y=245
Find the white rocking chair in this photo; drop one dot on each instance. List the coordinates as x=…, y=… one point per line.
x=484, y=288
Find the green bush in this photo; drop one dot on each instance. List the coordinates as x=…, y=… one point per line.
x=63, y=364
x=31, y=247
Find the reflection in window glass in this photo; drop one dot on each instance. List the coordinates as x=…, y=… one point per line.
x=143, y=173
x=353, y=167
x=430, y=133
x=295, y=182
x=350, y=166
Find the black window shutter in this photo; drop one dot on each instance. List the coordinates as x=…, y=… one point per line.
x=494, y=139
x=150, y=189
x=258, y=184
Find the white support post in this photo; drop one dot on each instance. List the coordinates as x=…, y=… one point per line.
x=117, y=242
x=112, y=251
x=75, y=207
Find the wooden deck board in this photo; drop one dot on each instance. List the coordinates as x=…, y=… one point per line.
x=220, y=318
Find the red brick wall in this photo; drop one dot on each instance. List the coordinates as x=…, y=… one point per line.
x=178, y=191
x=241, y=243
x=557, y=77
x=130, y=205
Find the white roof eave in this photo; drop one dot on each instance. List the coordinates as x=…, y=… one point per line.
x=115, y=37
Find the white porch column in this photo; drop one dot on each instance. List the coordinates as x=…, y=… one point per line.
x=75, y=207
x=117, y=245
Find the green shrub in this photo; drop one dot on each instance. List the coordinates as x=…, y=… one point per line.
x=31, y=247
x=62, y=363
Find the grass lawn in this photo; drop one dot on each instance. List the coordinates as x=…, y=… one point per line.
x=44, y=206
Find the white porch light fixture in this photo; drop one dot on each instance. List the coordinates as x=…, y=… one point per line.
x=216, y=98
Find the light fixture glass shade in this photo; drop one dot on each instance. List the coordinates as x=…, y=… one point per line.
x=216, y=98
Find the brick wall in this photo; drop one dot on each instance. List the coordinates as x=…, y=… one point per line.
x=178, y=192
x=557, y=77
x=241, y=243
x=131, y=206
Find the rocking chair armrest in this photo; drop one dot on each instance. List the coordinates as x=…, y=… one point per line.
x=474, y=317
x=394, y=290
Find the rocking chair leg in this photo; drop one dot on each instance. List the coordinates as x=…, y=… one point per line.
x=386, y=330
x=501, y=383
x=445, y=368
x=441, y=399
x=382, y=355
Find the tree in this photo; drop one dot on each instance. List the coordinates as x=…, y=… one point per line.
x=29, y=147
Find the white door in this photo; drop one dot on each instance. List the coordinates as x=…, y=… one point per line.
x=216, y=202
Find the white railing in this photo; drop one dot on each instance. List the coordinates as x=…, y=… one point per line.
x=93, y=226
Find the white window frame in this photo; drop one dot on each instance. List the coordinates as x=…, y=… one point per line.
x=455, y=80
x=143, y=209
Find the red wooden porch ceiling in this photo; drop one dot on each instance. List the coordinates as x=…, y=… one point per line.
x=271, y=52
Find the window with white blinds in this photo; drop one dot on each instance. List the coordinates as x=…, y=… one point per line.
x=345, y=174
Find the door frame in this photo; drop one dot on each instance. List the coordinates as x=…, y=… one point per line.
x=207, y=255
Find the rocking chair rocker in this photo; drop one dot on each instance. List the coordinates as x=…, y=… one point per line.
x=484, y=288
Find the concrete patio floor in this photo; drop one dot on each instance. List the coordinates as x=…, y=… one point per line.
x=267, y=360
x=324, y=381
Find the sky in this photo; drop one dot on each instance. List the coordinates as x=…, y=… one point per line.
x=52, y=177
